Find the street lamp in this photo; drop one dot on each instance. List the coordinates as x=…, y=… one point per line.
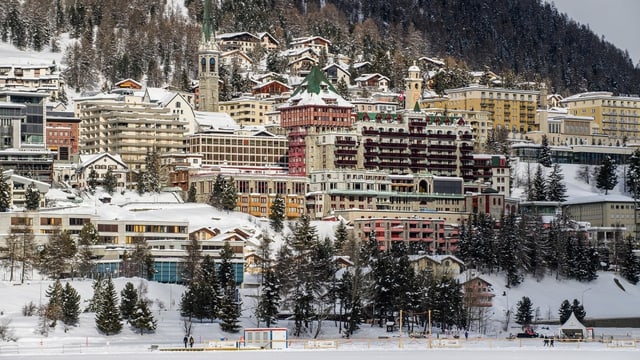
x=582, y=299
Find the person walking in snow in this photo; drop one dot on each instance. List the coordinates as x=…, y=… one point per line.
x=185, y=340
x=191, y=341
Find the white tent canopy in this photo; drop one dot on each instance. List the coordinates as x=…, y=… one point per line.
x=573, y=328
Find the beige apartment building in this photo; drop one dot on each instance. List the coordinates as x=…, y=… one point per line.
x=256, y=187
x=239, y=148
x=507, y=108
x=247, y=111
x=125, y=125
x=616, y=116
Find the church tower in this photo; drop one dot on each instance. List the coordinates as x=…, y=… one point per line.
x=208, y=59
x=413, y=87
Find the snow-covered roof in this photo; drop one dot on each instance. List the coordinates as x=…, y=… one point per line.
x=88, y=159
x=215, y=120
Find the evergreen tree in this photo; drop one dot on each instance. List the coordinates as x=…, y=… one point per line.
x=578, y=310
x=544, y=157
x=538, y=190
x=32, y=197
x=191, y=194
x=277, y=214
x=229, y=195
x=267, y=309
x=446, y=302
x=565, y=311
x=108, y=315
x=58, y=253
x=70, y=305
x=54, y=309
x=98, y=288
x=340, y=237
x=192, y=262
x=230, y=306
x=110, y=182
x=5, y=193
x=141, y=187
x=215, y=199
x=607, y=179
x=142, y=318
x=524, y=312
x=128, y=301
x=92, y=181
x=88, y=236
x=343, y=89
x=508, y=251
x=633, y=174
x=151, y=175
x=630, y=263
x=556, y=189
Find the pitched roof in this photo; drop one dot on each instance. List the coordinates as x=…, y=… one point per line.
x=314, y=89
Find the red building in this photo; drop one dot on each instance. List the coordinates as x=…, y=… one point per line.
x=63, y=130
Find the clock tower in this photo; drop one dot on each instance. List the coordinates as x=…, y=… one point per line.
x=208, y=58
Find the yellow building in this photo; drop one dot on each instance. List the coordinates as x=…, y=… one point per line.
x=257, y=188
x=247, y=111
x=617, y=116
x=510, y=108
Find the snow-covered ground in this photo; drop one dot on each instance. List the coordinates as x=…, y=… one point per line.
x=599, y=297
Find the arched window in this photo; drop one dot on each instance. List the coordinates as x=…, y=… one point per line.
x=212, y=64
x=203, y=63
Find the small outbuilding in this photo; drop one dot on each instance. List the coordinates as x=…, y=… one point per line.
x=573, y=328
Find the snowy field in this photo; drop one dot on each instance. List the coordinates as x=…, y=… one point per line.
x=408, y=354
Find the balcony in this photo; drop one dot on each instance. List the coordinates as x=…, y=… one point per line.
x=346, y=152
x=368, y=132
x=345, y=142
x=346, y=162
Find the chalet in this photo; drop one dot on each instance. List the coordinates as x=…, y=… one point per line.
x=18, y=186
x=302, y=66
x=439, y=265
x=478, y=292
x=268, y=41
x=317, y=43
x=236, y=59
x=336, y=73
x=270, y=88
x=295, y=54
x=101, y=164
x=373, y=82
x=243, y=41
x=128, y=84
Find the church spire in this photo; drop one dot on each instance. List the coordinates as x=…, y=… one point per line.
x=206, y=21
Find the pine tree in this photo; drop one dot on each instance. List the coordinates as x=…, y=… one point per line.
x=70, y=305
x=277, y=214
x=538, y=190
x=108, y=315
x=5, y=193
x=230, y=311
x=58, y=253
x=267, y=309
x=32, y=197
x=556, y=189
x=565, y=311
x=192, y=261
x=54, y=310
x=142, y=318
x=128, y=301
x=544, y=157
x=92, y=181
x=633, y=174
x=340, y=237
x=508, y=252
x=607, y=179
x=88, y=236
x=524, y=312
x=191, y=194
x=229, y=195
x=578, y=310
x=98, y=288
x=151, y=175
x=343, y=89
x=215, y=198
x=110, y=182
x=630, y=263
